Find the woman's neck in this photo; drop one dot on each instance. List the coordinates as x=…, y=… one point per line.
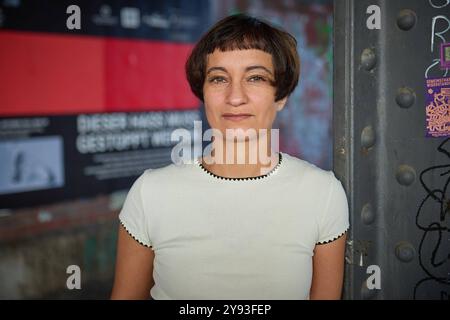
x=240, y=160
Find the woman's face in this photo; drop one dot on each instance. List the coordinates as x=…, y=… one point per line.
x=238, y=90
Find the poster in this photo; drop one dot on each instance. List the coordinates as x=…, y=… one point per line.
x=438, y=107
x=85, y=111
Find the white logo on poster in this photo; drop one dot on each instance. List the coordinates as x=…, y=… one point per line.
x=181, y=21
x=105, y=11
x=130, y=17
x=156, y=20
x=105, y=18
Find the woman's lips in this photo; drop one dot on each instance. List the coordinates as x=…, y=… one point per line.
x=236, y=117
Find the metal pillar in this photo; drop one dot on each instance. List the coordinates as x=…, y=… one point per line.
x=395, y=177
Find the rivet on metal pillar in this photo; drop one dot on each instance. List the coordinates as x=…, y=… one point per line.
x=405, y=97
x=405, y=175
x=368, y=59
x=368, y=137
x=367, y=214
x=406, y=19
x=404, y=251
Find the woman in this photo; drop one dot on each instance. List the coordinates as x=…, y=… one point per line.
x=217, y=228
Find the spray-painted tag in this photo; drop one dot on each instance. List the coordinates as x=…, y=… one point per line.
x=438, y=107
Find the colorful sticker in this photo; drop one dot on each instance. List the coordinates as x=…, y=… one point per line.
x=438, y=107
x=445, y=55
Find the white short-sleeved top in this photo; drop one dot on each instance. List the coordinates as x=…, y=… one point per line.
x=246, y=238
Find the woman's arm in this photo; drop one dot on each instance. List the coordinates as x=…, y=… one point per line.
x=134, y=268
x=328, y=270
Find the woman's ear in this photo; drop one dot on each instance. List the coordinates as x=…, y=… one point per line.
x=281, y=103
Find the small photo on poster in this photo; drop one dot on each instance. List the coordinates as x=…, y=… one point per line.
x=31, y=164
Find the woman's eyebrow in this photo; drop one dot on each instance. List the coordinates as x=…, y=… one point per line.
x=250, y=68
x=258, y=67
x=216, y=68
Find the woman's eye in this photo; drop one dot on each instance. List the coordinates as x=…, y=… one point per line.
x=217, y=80
x=256, y=79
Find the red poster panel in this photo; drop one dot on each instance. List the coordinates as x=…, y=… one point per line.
x=53, y=74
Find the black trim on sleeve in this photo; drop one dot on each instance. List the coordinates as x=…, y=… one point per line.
x=137, y=240
x=335, y=238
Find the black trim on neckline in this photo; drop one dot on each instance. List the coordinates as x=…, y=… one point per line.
x=280, y=157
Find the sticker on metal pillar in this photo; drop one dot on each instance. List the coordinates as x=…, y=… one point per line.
x=445, y=55
x=438, y=107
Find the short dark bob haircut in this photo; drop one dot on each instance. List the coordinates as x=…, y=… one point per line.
x=241, y=32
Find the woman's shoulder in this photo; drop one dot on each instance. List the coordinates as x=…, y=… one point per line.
x=297, y=164
x=299, y=167
x=168, y=172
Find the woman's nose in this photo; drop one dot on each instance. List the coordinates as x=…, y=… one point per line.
x=236, y=95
